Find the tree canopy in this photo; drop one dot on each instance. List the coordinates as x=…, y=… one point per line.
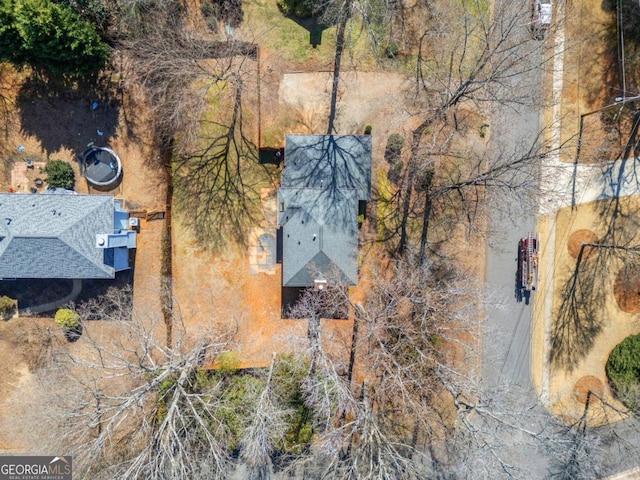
x=49, y=36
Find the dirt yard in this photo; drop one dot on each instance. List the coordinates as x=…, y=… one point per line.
x=589, y=82
x=218, y=291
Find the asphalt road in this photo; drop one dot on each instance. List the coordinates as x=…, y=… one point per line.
x=507, y=333
x=506, y=354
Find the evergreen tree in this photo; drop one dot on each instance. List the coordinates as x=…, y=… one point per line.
x=60, y=174
x=49, y=36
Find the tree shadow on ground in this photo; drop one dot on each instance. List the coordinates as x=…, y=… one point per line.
x=578, y=321
x=227, y=12
x=629, y=38
x=63, y=114
x=314, y=26
x=73, y=334
x=95, y=288
x=580, y=315
x=218, y=184
x=608, y=63
x=32, y=292
x=579, y=318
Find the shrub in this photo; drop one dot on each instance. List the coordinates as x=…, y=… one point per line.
x=391, y=51
x=48, y=35
x=623, y=370
x=436, y=341
x=60, y=174
x=395, y=172
x=289, y=373
x=237, y=402
x=392, y=151
x=424, y=180
x=296, y=8
x=67, y=319
x=367, y=130
x=7, y=306
x=228, y=362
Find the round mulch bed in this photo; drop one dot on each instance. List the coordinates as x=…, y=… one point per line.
x=586, y=384
x=577, y=238
x=626, y=289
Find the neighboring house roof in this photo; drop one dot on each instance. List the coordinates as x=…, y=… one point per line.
x=324, y=178
x=328, y=162
x=54, y=236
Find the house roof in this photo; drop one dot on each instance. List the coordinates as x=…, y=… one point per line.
x=54, y=236
x=324, y=178
x=328, y=162
x=319, y=235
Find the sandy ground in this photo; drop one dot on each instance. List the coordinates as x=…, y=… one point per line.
x=615, y=324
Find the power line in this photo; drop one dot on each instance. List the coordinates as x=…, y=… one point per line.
x=621, y=59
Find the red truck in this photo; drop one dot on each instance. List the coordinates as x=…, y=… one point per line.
x=528, y=262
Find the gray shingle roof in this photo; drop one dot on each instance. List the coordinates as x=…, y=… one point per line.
x=324, y=178
x=54, y=236
x=328, y=161
x=316, y=239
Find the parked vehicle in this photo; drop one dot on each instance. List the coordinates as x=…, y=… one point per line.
x=528, y=262
x=541, y=13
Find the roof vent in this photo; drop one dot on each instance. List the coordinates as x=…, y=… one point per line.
x=8, y=220
x=320, y=283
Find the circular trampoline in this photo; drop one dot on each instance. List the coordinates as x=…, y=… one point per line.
x=101, y=166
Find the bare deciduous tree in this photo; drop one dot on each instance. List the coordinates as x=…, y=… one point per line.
x=132, y=407
x=177, y=71
x=371, y=428
x=199, y=91
x=481, y=67
x=265, y=430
